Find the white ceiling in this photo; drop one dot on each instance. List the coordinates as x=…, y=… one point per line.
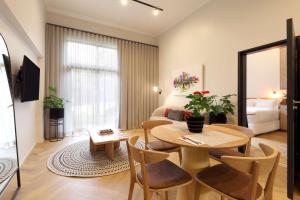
x=134, y=17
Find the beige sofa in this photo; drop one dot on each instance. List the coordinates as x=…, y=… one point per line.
x=158, y=114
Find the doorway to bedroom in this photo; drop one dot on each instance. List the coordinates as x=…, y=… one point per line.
x=250, y=107
x=266, y=91
x=262, y=98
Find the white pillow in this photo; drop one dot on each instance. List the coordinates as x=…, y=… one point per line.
x=251, y=102
x=269, y=104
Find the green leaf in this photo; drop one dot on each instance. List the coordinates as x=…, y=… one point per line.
x=53, y=101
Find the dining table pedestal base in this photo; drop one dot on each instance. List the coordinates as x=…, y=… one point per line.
x=193, y=161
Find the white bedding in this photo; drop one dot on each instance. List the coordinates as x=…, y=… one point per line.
x=263, y=115
x=260, y=115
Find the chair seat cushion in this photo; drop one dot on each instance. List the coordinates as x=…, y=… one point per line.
x=164, y=174
x=218, y=153
x=228, y=181
x=161, y=146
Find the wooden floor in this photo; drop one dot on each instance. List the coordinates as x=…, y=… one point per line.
x=40, y=184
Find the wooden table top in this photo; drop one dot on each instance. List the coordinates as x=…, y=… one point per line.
x=117, y=136
x=171, y=133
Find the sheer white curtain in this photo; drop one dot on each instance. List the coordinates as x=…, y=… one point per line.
x=91, y=82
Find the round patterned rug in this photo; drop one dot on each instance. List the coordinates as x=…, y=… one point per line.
x=7, y=167
x=75, y=160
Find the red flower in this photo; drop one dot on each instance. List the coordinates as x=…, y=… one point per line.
x=197, y=92
x=205, y=92
x=187, y=114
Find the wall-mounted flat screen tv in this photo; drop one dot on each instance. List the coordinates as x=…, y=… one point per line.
x=30, y=80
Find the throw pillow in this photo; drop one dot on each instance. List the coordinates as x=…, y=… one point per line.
x=187, y=114
x=167, y=112
x=176, y=115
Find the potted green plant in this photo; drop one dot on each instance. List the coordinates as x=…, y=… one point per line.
x=55, y=104
x=199, y=103
x=219, y=109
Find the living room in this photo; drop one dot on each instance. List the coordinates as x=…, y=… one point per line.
x=97, y=73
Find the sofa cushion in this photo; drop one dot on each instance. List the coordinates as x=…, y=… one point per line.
x=167, y=112
x=187, y=114
x=177, y=115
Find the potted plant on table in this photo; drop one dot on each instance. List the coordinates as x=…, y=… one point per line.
x=219, y=109
x=55, y=104
x=199, y=103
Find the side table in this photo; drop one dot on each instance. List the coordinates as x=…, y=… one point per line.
x=56, y=136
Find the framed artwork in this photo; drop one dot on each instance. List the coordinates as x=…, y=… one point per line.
x=187, y=81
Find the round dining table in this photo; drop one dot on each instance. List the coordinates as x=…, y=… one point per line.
x=195, y=157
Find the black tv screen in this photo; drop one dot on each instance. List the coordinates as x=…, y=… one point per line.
x=30, y=80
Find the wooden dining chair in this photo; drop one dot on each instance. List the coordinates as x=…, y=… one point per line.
x=159, y=145
x=157, y=174
x=218, y=153
x=237, y=177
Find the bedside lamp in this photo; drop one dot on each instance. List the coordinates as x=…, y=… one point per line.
x=157, y=89
x=275, y=94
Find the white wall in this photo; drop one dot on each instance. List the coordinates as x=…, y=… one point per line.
x=24, y=33
x=78, y=23
x=215, y=33
x=263, y=73
x=31, y=16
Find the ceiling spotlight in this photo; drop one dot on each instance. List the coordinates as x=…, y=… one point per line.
x=155, y=12
x=124, y=2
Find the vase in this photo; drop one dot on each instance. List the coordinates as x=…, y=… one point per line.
x=56, y=113
x=195, y=124
x=217, y=119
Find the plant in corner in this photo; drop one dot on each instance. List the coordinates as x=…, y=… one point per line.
x=55, y=104
x=198, y=104
x=219, y=109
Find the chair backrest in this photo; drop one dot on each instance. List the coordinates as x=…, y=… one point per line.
x=242, y=129
x=247, y=131
x=141, y=155
x=267, y=166
x=148, y=125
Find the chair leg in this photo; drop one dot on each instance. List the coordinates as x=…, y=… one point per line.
x=131, y=190
x=180, y=155
x=166, y=195
x=197, y=191
x=248, y=148
x=147, y=195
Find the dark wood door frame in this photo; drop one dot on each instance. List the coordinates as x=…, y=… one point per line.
x=242, y=93
x=242, y=78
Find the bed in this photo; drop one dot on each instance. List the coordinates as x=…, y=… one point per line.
x=263, y=115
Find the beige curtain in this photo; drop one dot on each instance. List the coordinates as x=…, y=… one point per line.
x=138, y=73
x=54, y=60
